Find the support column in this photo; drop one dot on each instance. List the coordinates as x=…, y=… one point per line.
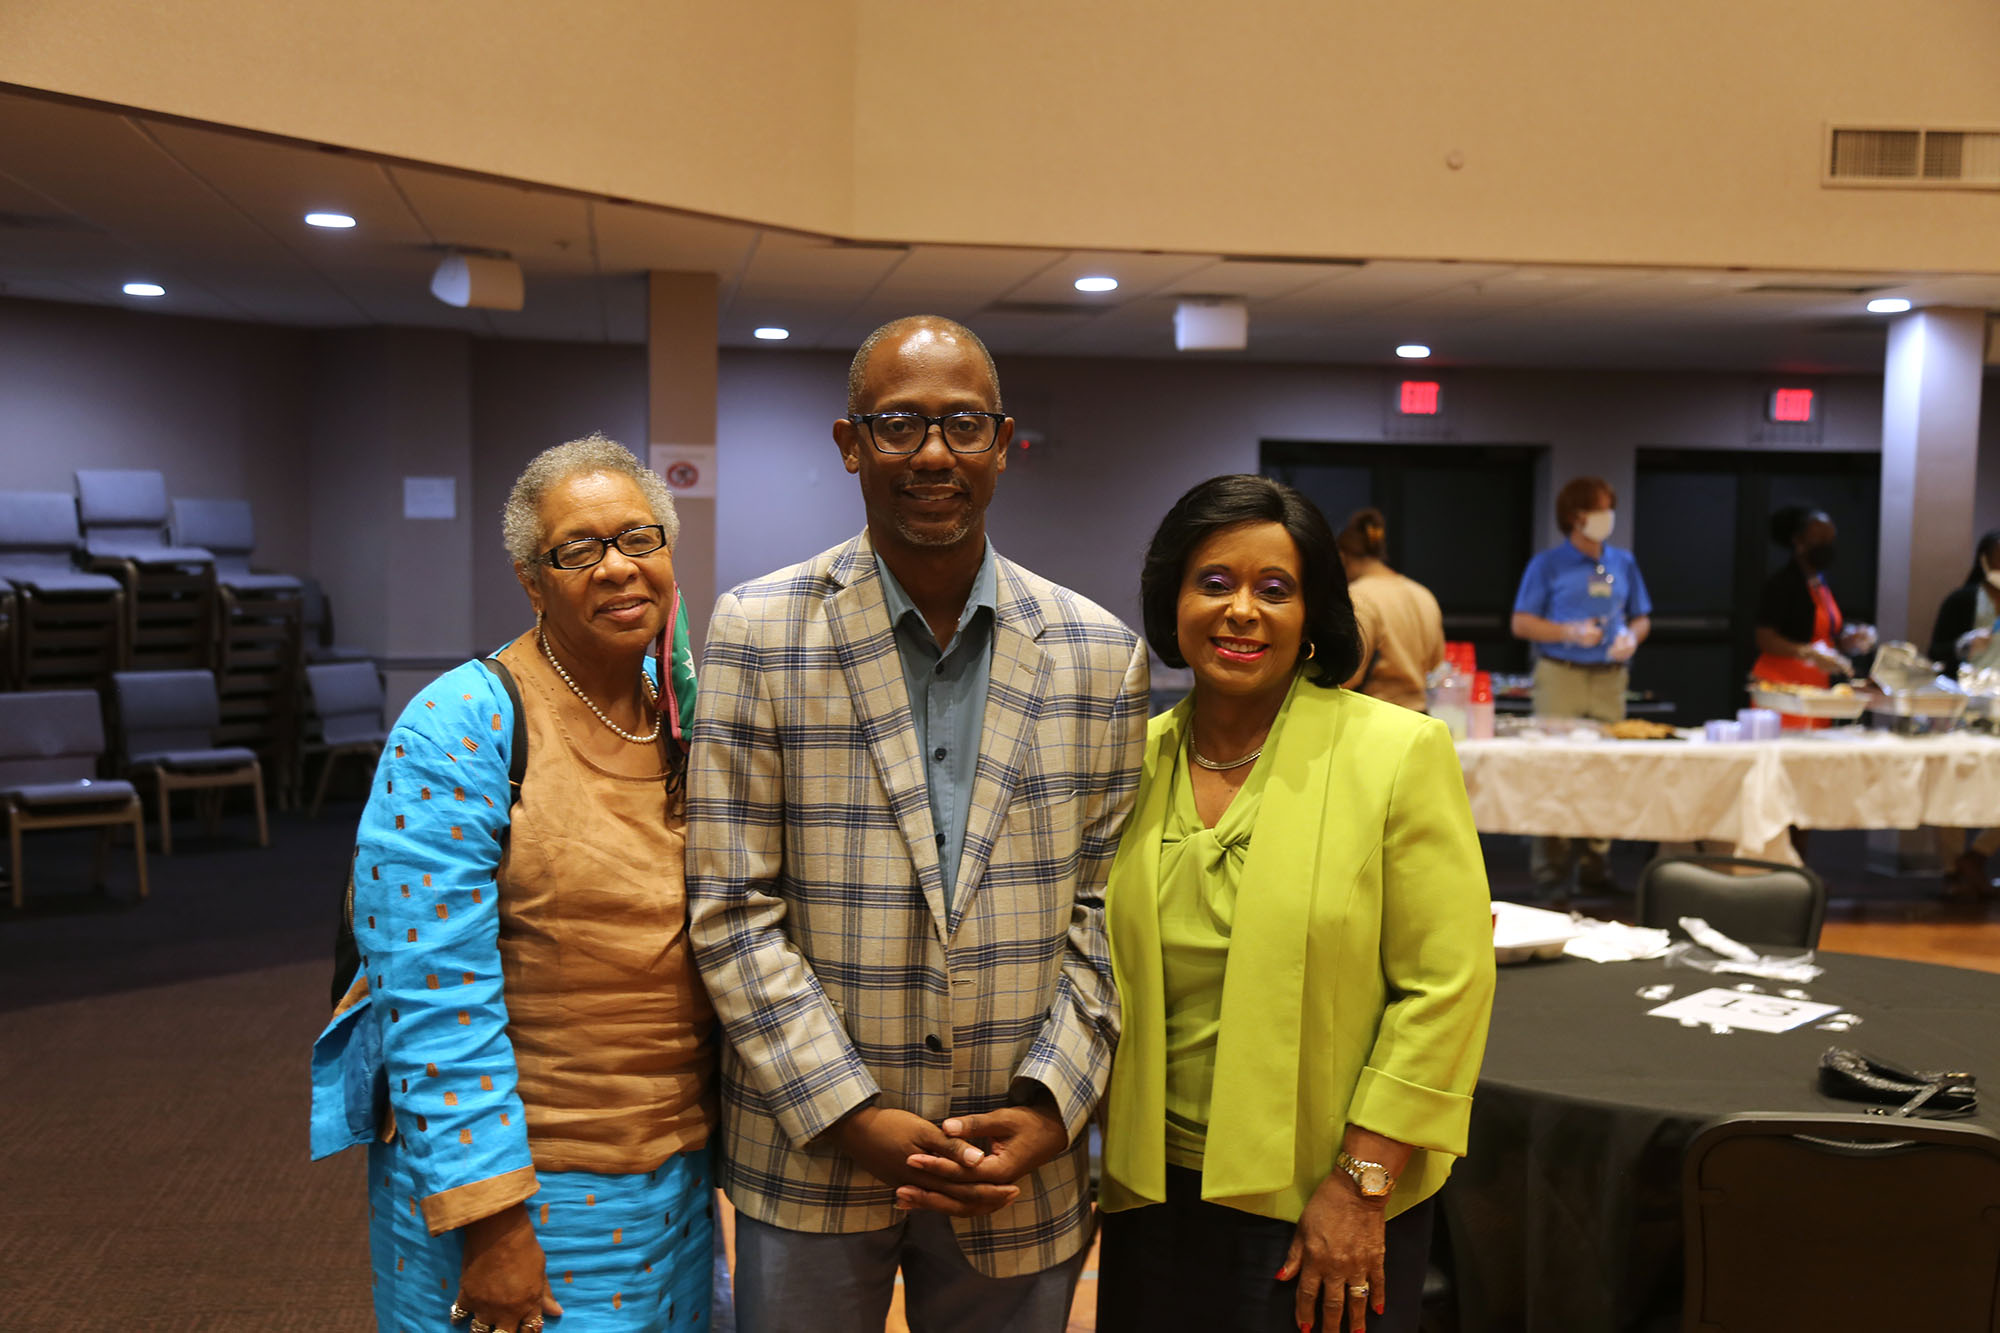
x=681, y=390
x=1930, y=464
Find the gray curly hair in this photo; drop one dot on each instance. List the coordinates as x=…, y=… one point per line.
x=521, y=520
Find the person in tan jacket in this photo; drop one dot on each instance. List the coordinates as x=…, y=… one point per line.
x=1402, y=630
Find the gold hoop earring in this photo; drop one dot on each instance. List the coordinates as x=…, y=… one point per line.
x=1311, y=648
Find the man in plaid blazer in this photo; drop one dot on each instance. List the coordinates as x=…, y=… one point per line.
x=911, y=760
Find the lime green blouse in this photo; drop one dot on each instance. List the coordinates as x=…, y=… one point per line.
x=1201, y=869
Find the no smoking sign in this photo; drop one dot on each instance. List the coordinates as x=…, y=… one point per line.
x=689, y=469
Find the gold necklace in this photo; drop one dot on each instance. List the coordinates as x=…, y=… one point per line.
x=1212, y=765
x=652, y=696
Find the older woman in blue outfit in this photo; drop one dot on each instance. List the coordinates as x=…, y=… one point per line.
x=525, y=1047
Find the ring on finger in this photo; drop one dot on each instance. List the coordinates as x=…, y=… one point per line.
x=481, y=1326
x=1357, y=1288
x=459, y=1314
x=532, y=1324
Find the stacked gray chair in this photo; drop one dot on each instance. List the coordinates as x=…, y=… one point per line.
x=70, y=625
x=256, y=650
x=167, y=722
x=10, y=658
x=348, y=698
x=49, y=746
x=169, y=590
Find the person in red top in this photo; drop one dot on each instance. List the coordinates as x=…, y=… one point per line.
x=1802, y=639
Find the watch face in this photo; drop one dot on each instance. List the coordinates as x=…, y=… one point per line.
x=1374, y=1180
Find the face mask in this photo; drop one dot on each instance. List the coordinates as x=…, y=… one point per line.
x=1597, y=525
x=1819, y=558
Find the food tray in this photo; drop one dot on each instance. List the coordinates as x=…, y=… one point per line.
x=1522, y=933
x=1924, y=703
x=1841, y=707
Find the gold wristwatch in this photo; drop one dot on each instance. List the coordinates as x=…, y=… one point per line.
x=1371, y=1178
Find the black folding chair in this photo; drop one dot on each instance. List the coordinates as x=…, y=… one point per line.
x=1752, y=902
x=1832, y=1223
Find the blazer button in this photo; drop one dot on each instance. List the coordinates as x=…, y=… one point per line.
x=932, y=1043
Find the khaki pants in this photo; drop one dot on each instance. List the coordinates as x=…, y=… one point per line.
x=1563, y=689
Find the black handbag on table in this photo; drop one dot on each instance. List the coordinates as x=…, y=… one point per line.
x=1852, y=1076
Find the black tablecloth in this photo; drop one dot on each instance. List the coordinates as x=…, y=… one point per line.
x=1565, y=1216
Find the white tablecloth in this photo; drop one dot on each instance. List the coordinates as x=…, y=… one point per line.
x=1746, y=794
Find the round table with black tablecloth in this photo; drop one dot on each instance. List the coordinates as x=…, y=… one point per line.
x=1565, y=1215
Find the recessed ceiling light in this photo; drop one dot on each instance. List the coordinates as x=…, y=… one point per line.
x=333, y=220
x=771, y=334
x=1888, y=305
x=1099, y=283
x=144, y=289
x=1413, y=351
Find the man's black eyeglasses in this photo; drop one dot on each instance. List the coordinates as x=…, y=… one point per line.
x=585, y=552
x=903, y=433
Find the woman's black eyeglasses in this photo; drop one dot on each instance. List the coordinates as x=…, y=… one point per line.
x=585, y=552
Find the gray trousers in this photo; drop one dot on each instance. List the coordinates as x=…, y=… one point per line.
x=807, y=1282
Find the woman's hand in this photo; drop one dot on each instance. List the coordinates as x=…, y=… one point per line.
x=503, y=1279
x=1336, y=1255
x=1827, y=660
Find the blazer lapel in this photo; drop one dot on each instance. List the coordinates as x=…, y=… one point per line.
x=1132, y=920
x=1014, y=695
x=858, y=620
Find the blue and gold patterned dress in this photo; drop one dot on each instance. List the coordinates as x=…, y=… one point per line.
x=527, y=1024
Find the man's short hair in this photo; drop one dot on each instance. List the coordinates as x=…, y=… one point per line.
x=1579, y=497
x=857, y=370
x=1231, y=501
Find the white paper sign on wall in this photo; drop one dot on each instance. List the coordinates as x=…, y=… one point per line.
x=688, y=468
x=430, y=497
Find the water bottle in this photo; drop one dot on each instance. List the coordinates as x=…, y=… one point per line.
x=1479, y=714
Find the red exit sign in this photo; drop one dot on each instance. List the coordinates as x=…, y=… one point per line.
x=1418, y=398
x=1793, y=405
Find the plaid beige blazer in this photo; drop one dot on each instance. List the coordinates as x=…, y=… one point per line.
x=818, y=913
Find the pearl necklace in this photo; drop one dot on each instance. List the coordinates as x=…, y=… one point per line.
x=652, y=695
x=1212, y=765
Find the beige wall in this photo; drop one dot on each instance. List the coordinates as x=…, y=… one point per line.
x=1681, y=134
x=739, y=108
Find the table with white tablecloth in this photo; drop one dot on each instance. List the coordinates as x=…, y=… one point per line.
x=1747, y=794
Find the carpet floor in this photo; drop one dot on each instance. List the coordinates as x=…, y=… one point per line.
x=153, y=1075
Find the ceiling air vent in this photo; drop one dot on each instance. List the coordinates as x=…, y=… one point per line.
x=1919, y=158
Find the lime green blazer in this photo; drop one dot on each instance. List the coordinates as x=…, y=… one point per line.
x=1360, y=972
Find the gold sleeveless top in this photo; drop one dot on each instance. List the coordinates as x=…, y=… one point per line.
x=610, y=1025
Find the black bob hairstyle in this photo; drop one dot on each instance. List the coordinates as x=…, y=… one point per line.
x=1231, y=501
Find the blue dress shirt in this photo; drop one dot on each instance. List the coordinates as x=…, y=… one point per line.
x=947, y=701
x=1564, y=584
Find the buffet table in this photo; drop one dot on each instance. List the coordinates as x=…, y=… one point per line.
x=1747, y=794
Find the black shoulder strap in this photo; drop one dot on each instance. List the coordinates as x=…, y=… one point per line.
x=517, y=754
x=346, y=953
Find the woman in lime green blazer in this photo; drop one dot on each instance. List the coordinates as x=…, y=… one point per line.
x=1302, y=938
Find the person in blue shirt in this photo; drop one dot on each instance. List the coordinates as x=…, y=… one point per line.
x=1584, y=606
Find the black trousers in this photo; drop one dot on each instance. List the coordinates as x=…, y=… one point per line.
x=1200, y=1267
